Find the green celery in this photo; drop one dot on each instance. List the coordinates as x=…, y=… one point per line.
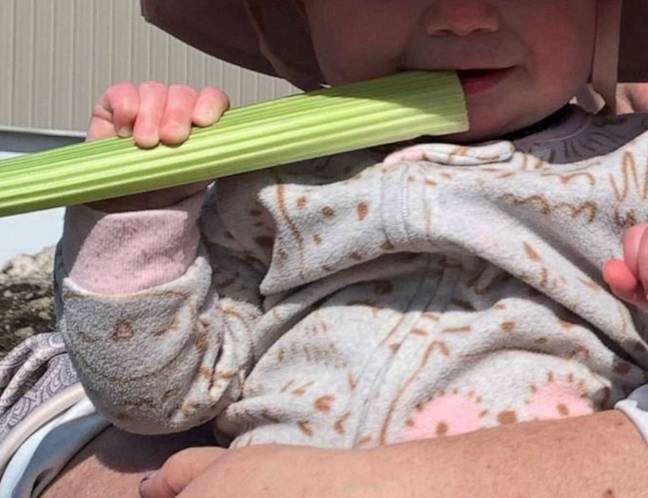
x=305, y=126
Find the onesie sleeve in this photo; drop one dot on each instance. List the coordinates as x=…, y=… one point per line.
x=552, y=226
x=156, y=318
x=127, y=252
x=533, y=332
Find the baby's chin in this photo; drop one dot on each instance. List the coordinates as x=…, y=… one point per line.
x=487, y=122
x=480, y=131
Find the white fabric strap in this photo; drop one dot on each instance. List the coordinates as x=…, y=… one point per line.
x=40, y=459
x=41, y=415
x=636, y=409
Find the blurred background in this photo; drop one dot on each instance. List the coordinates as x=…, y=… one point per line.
x=58, y=57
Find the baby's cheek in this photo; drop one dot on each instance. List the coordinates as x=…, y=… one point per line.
x=446, y=415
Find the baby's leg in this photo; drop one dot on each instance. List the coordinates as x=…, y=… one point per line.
x=112, y=465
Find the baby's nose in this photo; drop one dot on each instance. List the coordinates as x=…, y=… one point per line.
x=460, y=17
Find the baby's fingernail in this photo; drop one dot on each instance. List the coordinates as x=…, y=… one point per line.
x=205, y=117
x=124, y=132
x=147, y=141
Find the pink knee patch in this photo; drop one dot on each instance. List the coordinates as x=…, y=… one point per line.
x=446, y=415
x=558, y=399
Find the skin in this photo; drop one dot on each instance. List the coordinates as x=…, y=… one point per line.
x=628, y=278
x=549, y=46
x=152, y=114
x=631, y=97
x=598, y=456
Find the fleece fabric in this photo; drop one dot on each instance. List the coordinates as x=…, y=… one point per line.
x=357, y=299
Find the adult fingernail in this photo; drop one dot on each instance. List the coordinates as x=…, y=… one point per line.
x=145, y=484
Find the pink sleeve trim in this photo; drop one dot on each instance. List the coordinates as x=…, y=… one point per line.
x=118, y=253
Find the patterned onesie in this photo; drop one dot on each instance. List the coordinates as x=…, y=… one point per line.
x=351, y=302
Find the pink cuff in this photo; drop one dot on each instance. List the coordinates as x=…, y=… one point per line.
x=118, y=253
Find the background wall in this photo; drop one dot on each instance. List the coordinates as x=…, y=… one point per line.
x=58, y=56
x=28, y=233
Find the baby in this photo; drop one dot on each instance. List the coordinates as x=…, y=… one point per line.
x=387, y=294
x=358, y=299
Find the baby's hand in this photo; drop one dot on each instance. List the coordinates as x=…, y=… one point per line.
x=628, y=278
x=632, y=97
x=152, y=113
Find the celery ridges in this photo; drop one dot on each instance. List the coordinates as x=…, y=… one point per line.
x=295, y=128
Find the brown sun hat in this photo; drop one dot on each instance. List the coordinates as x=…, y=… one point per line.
x=272, y=37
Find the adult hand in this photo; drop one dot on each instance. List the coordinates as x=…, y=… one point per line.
x=271, y=471
x=178, y=471
x=602, y=455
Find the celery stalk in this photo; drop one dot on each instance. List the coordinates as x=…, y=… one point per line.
x=330, y=121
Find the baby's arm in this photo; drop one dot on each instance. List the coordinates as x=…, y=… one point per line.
x=159, y=338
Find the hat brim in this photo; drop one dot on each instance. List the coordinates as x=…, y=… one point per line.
x=225, y=29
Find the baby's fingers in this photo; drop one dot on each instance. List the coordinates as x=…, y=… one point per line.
x=153, y=101
x=637, y=96
x=628, y=279
x=210, y=106
x=114, y=113
x=175, y=126
x=633, y=245
x=638, y=253
x=623, y=283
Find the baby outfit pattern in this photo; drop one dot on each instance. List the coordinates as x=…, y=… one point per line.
x=354, y=301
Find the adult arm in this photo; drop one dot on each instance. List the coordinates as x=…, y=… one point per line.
x=600, y=455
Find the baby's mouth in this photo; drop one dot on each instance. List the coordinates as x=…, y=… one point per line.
x=473, y=81
x=479, y=80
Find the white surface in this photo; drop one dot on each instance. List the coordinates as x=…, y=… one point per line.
x=28, y=233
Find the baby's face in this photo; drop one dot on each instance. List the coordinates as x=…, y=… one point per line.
x=533, y=55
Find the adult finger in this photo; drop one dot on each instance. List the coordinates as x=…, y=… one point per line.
x=178, y=471
x=153, y=96
x=175, y=126
x=210, y=106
